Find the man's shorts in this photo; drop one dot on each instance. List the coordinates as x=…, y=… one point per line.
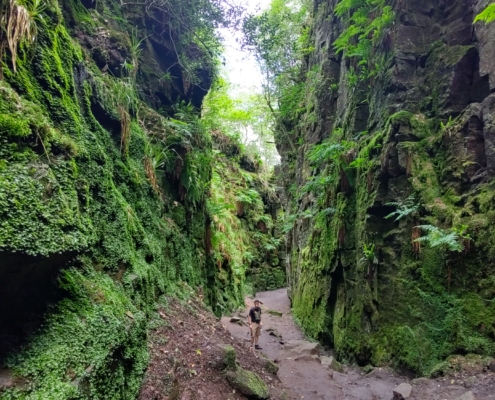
x=255, y=329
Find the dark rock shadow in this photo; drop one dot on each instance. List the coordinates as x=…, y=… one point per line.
x=28, y=286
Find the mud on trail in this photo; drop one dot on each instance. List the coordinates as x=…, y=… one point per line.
x=308, y=372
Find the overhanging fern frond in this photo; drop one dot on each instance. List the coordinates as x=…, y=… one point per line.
x=404, y=208
x=487, y=15
x=437, y=237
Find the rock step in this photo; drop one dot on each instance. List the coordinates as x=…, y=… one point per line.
x=467, y=396
x=403, y=391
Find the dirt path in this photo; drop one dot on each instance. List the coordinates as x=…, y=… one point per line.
x=305, y=377
x=187, y=356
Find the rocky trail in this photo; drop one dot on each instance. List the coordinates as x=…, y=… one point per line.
x=309, y=372
x=196, y=356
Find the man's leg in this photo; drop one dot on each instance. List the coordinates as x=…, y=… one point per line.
x=256, y=337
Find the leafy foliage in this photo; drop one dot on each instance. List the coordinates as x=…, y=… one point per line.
x=132, y=208
x=487, y=15
x=243, y=246
x=18, y=25
x=329, y=151
x=279, y=39
x=245, y=118
x=368, y=30
x=404, y=208
x=132, y=65
x=450, y=241
x=192, y=24
x=369, y=255
x=274, y=38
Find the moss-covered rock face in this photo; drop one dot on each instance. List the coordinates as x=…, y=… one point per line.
x=103, y=196
x=244, y=240
x=248, y=383
x=270, y=366
x=244, y=381
x=403, y=127
x=229, y=358
x=102, y=201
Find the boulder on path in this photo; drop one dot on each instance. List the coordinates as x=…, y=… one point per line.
x=229, y=358
x=467, y=396
x=235, y=320
x=302, y=347
x=339, y=378
x=403, y=391
x=274, y=332
x=274, y=312
x=420, y=381
x=270, y=366
x=307, y=357
x=283, y=396
x=331, y=363
x=470, y=382
x=491, y=366
x=248, y=383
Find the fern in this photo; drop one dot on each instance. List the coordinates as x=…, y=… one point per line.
x=327, y=211
x=369, y=256
x=328, y=151
x=317, y=184
x=368, y=23
x=487, y=15
x=346, y=5
x=250, y=197
x=289, y=221
x=437, y=237
x=321, y=217
x=404, y=208
x=360, y=163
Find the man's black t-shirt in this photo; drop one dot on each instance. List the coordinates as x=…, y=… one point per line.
x=255, y=315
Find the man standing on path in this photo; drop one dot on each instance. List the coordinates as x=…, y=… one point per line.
x=255, y=324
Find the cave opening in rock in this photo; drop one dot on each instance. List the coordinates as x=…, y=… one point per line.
x=28, y=287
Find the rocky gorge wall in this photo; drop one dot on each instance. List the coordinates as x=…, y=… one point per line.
x=94, y=227
x=105, y=176
x=395, y=116
x=246, y=237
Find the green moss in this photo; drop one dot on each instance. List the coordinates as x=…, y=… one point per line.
x=270, y=366
x=73, y=355
x=445, y=55
x=65, y=187
x=410, y=310
x=229, y=358
x=11, y=126
x=420, y=126
x=244, y=248
x=248, y=383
